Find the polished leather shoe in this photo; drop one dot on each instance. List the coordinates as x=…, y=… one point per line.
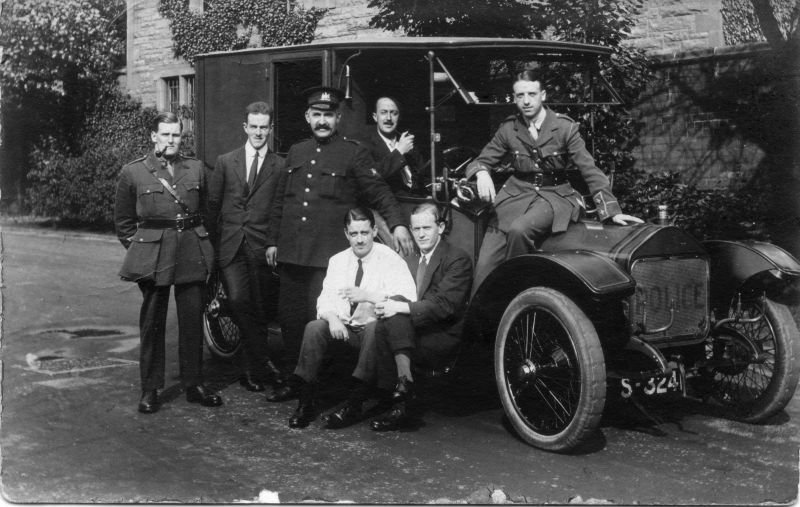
x=397, y=418
x=149, y=402
x=303, y=415
x=347, y=415
x=288, y=391
x=202, y=395
x=251, y=384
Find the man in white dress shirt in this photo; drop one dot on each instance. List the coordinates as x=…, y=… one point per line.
x=356, y=280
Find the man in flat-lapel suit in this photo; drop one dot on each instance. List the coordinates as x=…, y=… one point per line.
x=397, y=160
x=429, y=329
x=241, y=193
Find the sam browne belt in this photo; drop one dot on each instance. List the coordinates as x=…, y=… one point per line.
x=541, y=179
x=172, y=223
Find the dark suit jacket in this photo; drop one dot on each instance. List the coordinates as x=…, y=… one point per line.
x=390, y=164
x=444, y=291
x=234, y=215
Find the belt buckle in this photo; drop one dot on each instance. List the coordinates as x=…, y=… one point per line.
x=180, y=223
x=538, y=178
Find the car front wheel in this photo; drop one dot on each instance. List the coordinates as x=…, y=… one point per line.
x=549, y=369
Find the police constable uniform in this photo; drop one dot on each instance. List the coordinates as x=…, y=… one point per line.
x=322, y=179
x=166, y=245
x=537, y=198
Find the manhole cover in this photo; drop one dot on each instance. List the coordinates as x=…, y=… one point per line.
x=55, y=365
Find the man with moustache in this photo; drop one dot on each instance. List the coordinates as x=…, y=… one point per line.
x=397, y=160
x=537, y=199
x=158, y=211
x=323, y=177
x=242, y=190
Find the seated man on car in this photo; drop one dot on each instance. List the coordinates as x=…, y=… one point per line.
x=427, y=330
x=356, y=280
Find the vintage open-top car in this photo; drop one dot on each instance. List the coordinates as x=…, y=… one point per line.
x=599, y=310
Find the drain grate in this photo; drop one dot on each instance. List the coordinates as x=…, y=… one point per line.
x=55, y=365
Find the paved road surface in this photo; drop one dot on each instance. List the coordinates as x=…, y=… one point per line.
x=76, y=436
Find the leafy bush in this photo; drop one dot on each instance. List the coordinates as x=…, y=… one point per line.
x=706, y=214
x=80, y=188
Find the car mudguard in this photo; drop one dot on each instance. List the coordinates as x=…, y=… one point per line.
x=752, y=268
x=585, y=277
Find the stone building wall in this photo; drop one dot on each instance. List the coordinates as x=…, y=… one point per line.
x=150, y=53
x=673, y=26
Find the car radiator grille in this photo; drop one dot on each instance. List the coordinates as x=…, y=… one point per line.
x=661, y=284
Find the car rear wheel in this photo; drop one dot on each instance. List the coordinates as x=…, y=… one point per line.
x=221, y=334
x=755, y=364
x=549, y=369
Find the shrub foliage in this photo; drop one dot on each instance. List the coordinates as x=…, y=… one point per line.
x=80, y=188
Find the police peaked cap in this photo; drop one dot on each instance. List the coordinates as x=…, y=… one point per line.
x=325, y=98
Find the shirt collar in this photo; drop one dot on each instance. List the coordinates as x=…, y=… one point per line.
x=390, y=141
x=365, y=259
x=537, y=122
x=250, y=150
x=428, y=255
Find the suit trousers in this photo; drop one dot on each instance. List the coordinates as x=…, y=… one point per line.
x=430, y=348
x=523, y=235
x=152, y=324
x=317, y=340
x=297, y=305
x=253, y=294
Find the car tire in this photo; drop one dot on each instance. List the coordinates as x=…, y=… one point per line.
x=221, y=334
x=549, y=369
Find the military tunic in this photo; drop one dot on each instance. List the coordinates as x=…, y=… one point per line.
x=164, y=256
x=559, y=147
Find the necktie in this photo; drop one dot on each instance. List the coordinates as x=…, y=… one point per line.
x=251, y=178
x=534, y=131
x=421, y=274
x=359, y=276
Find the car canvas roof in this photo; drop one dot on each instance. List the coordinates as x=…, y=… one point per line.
x=553, y=48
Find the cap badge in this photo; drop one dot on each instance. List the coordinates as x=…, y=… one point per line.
x=325, y=96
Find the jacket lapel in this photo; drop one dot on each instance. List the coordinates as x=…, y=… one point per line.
x=179, y=168
x=523, y=134
x=265, y=172
x=240, y=165
x=436, y=259
x=546, y=130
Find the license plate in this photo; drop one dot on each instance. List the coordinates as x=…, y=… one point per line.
x=651, y=386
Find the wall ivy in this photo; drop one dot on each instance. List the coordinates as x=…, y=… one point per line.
x=227, y=25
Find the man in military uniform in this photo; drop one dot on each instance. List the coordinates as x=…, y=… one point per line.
x=536, y=199
x=157, y=215
x=323, y=177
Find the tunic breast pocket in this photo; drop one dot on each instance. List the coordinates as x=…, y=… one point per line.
x=190, y=193
x=330, y=184
x=148, y=195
